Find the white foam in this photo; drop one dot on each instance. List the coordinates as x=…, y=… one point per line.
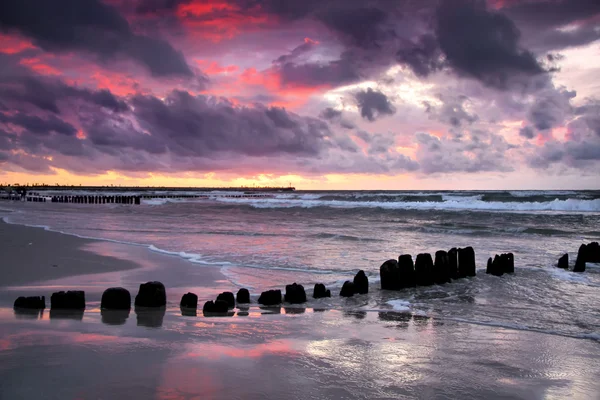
x=528, y=193
x=400, y=305
x=155, y=202
x=191, y=257
x=568, y=276
x=463, y=203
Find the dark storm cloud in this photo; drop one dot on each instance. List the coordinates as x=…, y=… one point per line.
x=552, y=13
x=89, y=26
x=422, y=55
x=482, y=44
x=577, y=154
x=298, y=51
x=542, y=20
x=527, y=132
x=362, y=26
x=39, y=126
x=200, y=126
x=466, y=36
x=287, y=9
x=330, y=113
x=551, y=108
x=183, y=132
x=335, y=117
x=157, y=6
x=373, y=104
x=580, y=148
x=332, y=73
x=47, y=93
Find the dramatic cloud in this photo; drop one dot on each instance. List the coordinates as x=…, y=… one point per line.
x=39, y=126
x=551, y=108
x=557, y=24
x=19, y=86
x=157, y=6
x=373, y=104
x=482, y=44
x=311, y=88
x=423, y=55
x=89, y=26
x=329, y=113
x=362, y=27
x=527, y=132
x=330, y=74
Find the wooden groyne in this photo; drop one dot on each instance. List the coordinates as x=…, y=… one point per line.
x=37, y=197
x=144, y=189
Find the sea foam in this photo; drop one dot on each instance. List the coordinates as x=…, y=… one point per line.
x=465, y=203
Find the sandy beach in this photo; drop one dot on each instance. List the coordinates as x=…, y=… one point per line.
x=37, y=262
x=293, y=352
x=33, y=254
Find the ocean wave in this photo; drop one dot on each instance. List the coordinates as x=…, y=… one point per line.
x=528, y=193
x=569, y=205
x=337, y=236
x=191, y=257
x=160, y=202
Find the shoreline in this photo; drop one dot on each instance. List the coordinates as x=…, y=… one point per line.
x=33, y=254
x=39, y=261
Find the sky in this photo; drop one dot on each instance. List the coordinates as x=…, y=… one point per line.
x=320, y=94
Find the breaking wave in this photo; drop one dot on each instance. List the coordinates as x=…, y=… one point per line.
x=457, y=203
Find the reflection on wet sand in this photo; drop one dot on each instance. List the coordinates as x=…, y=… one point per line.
x=229, y=313
x=420, y=320
x=355, y=314
x=27, y=313
x=270, y=310
x=384, y=354
x=76, y=315
x=402, y=319
x=150, y=317
x=294, y=310
x=114, y=317
x=188, y=312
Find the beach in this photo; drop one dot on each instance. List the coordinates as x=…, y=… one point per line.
x=481, y=337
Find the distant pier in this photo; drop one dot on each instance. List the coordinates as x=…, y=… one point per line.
x=108, y=195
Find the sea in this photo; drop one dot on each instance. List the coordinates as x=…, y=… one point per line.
x=326, y=237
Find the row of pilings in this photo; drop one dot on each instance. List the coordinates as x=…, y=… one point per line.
x=587, y=253
x=97, y=199
x=115, y=199
x=395, y=275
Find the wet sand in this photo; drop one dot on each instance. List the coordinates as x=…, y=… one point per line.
x=38, y=262
x=288, y=352
x=33, y=254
